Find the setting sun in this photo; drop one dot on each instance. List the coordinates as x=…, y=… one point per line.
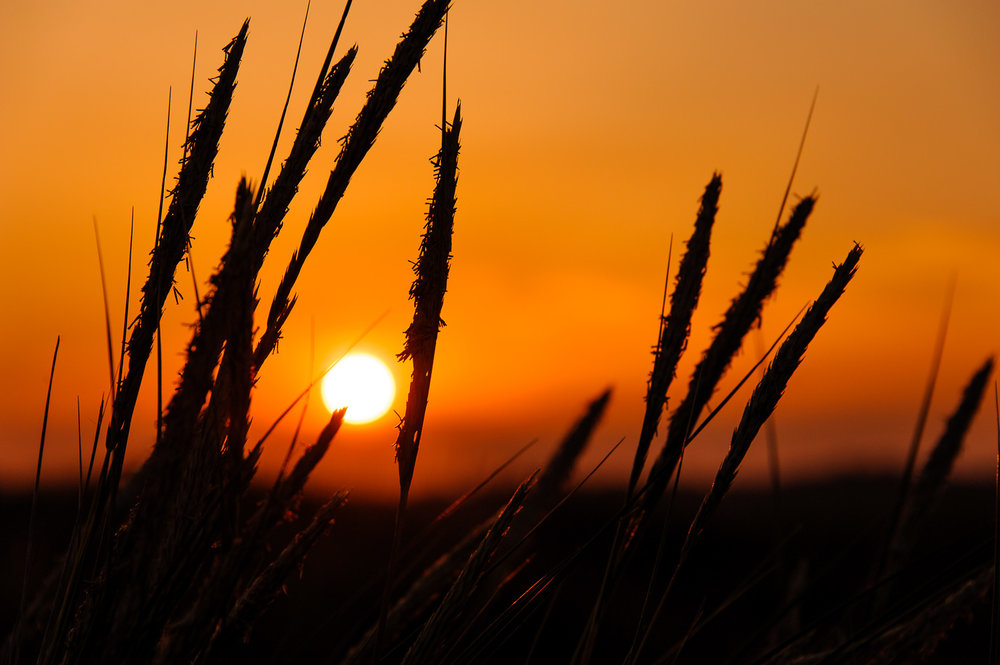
x=363, y=384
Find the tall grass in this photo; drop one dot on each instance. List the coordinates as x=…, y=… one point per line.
x=182, y=564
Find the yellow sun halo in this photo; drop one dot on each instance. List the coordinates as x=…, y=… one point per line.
x=363, y=384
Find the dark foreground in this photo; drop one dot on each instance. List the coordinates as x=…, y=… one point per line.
x=777, y=573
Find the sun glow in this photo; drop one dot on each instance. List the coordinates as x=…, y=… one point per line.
x=363, y=384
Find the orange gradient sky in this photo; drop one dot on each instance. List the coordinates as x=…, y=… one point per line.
x=590, y=132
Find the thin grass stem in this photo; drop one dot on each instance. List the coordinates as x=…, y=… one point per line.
x=107, y=311
x=34, y=511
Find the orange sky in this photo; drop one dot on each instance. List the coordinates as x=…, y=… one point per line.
x=589, y=135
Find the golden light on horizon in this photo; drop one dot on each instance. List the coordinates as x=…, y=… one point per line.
x=363, y=384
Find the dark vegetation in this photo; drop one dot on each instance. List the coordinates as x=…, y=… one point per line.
x=189, y=561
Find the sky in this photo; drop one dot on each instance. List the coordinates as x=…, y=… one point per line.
x=590, y=132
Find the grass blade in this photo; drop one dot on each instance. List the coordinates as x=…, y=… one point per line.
x=34, y=509
x=107, y=312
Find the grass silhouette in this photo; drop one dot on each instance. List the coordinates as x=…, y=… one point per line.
x=181, y=564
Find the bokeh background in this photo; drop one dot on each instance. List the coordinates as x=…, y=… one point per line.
x=590, y=132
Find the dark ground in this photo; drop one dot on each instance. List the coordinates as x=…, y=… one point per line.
x=831, y=532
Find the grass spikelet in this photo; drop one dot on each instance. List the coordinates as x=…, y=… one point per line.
x=427, y=293
x=227, y=324
x=759, y=408
x=356, y=144
x=202, y=147
x=943, y=455
x=560, y=466
x=278, y=197
x=771, y=387
x=292, y=484
x=729, y=334
x=675, y=327
x=936, y=470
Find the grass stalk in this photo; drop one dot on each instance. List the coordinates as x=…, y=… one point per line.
x=128, y=295
x=675, y=328
x=906, y=480
x=758, y=409
x=156, y=245
x=192, y=181
x=272, y=209
x=729, y=334
x=427, y=292
x=34, y=510
x=107, y=312
x=354, y=146
x=284, y=111
x=930, y=482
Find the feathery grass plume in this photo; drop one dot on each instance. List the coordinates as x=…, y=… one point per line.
x=675, y=327
x=758, y=409
x=355, y=145
x=279, y=195
x=227, y=325
x=430, y=643
x=729, y=334
x=200, y=150
x=930, y=482
x=560, y=466
x=192, y=181
x=228, y=318
x=269, y=217
x=427, y=293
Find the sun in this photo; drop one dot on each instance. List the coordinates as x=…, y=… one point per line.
x=363, y=384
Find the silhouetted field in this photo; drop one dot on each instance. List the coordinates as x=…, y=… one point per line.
x=831, y=532
x=193, y=563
